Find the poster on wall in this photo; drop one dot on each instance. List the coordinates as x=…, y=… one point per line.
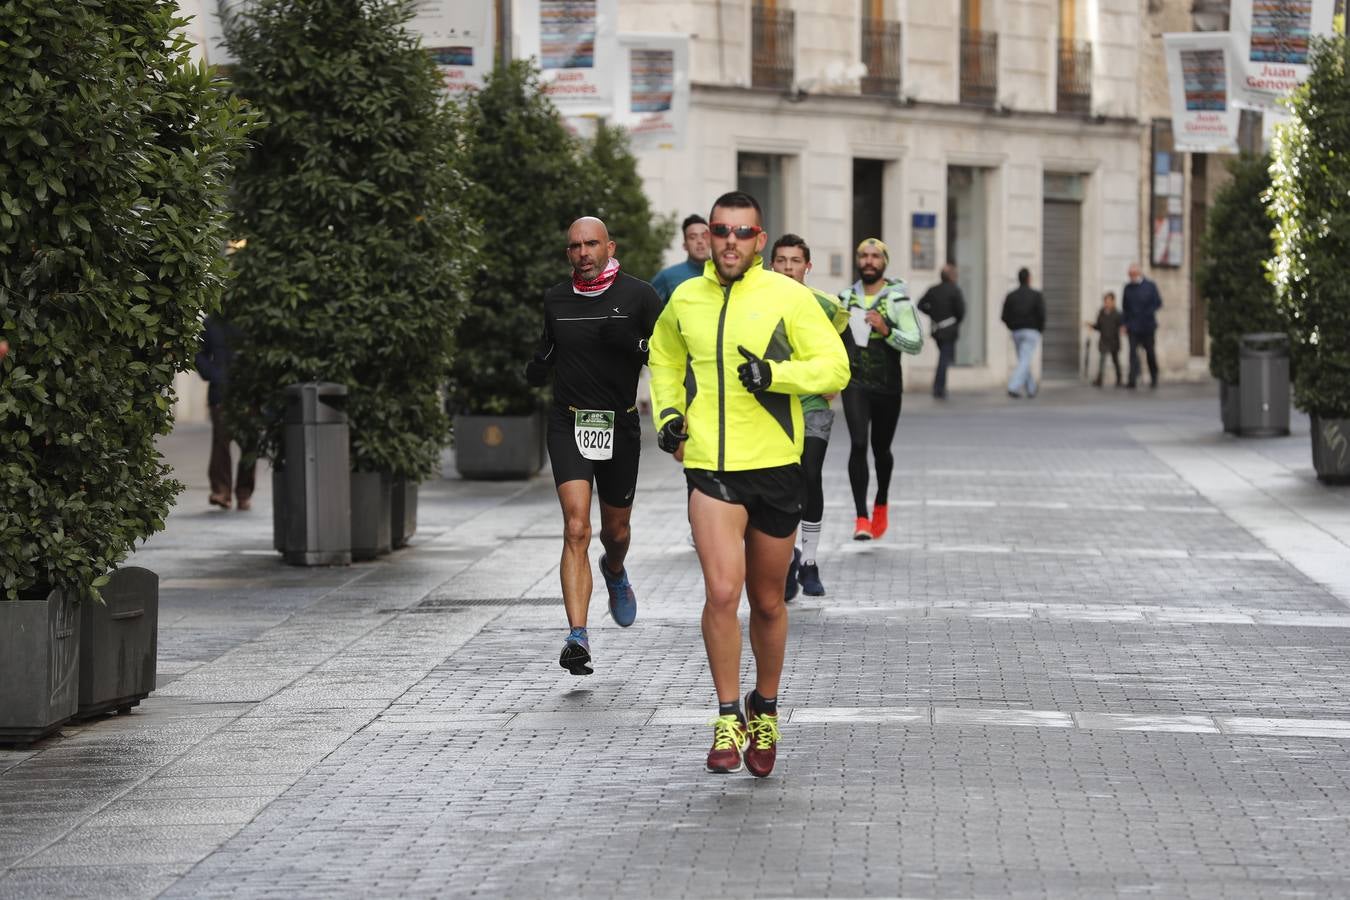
x=651, y=95
x=460, y=37
x=1201, y=76
x=1273, y=38
x=576, y=45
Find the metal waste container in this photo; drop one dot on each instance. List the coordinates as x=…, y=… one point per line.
x=313, y=519
x=1263, y=384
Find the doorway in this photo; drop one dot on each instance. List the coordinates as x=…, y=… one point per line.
x=869, y=178
x=967, y=249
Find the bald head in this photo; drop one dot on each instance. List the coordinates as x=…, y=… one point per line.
x=588, y=247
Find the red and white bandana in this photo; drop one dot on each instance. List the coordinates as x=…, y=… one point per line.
x=598, y=285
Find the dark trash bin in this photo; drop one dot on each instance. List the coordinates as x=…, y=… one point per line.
x=313, y=506
x=1263, y=384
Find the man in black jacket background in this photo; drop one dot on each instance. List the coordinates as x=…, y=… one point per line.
x=1024, y=314
x=945, y=307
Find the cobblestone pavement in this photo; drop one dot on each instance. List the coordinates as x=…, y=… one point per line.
x=1102, y=651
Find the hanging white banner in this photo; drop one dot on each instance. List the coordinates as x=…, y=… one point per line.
x=460, y=37
x=1273, y=38
x=652, y=90
x=1200, y=77
x=575, y=44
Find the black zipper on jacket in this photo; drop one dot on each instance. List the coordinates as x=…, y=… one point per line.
x=721, y=384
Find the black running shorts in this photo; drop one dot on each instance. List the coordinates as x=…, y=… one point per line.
x=615, y=478
x=773, y=497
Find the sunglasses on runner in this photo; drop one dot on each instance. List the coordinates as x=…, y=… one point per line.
x=742, y=232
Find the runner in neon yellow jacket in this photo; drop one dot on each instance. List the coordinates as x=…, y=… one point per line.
x=694, y=357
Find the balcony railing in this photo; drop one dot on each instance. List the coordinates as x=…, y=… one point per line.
x=979, y=67
x=1073, y=95
x=881, y=56
x=773, y=34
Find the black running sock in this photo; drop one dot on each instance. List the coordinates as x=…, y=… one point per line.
x=766, y=705
x=731, y=709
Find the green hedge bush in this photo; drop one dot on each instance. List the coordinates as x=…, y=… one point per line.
x=1310, y=203
x=1239, y=298
x=357, y=243
x=112, y=186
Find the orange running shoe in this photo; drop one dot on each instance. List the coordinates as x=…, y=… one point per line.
x=880, y=520
x=862, y=529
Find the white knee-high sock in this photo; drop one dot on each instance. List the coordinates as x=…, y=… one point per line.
x=808, y=539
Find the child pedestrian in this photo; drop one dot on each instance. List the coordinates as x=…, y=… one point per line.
x=1107, y=326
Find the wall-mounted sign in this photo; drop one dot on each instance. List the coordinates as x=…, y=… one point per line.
x=460, y=37
x=923, y=241
x=1201, y=79
x=652, y=91
x=1273, y=39
x=576, y=46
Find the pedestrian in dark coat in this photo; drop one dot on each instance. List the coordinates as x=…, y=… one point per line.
x=1141, y=301
x=1108, y=327
x=213, y=363
x=1024, y=314
x=945, y=307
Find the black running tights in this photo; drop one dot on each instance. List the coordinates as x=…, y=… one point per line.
x=813, y=464
x=882, y=413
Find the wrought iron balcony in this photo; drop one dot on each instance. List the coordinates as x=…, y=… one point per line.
x=881, y=56
x=773, y=35
x=979, y=68
x=1073, y=96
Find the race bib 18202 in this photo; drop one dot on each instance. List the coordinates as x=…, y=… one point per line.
x=594, y=432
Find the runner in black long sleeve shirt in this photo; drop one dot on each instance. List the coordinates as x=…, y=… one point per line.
x=595, y=342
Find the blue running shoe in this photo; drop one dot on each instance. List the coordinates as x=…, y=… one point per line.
x=792, y=585
x=622, y=600
x=576, y=653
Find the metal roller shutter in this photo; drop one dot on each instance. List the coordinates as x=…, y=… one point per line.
x=1061, y=350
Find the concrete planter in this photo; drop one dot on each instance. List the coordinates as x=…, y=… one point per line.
x=1230, y=407
x=1331, y=450
x=499, y=447
x=119, y=643
x=371, y=514
x=403, y=512
x=39, y=666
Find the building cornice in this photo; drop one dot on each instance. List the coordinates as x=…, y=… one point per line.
x=920, y=112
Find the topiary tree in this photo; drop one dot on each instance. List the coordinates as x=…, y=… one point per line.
x=1310, y=203
x=620, y=200
x=357, y=244
x=1239, y=298
x=112, y=189
x=530, y=184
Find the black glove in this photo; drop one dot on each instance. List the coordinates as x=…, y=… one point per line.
x=754, y=372
x=671, y=435
x=536, y=372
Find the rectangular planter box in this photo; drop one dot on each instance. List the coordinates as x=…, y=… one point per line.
x=403, y=512
x=1331, y=450
x=39, y=666
x=119, y=643
x=371, y=514
x=499, y=447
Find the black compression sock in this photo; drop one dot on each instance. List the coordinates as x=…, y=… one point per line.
x=731, y=709
x=766, y=705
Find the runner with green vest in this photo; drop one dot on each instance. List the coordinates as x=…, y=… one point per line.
x=882, y=325
x=792, y=257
